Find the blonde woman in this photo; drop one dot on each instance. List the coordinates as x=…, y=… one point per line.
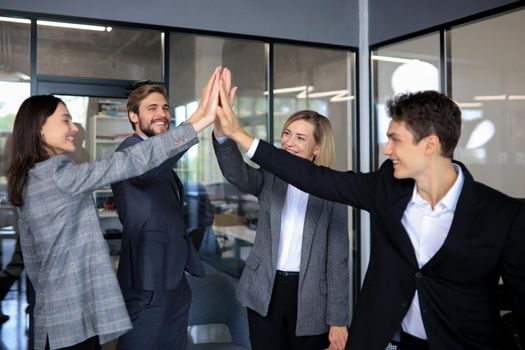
x=295, y=282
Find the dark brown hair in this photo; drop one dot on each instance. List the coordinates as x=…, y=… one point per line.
x=426, y=113
x=140, y=93
x=28, y=147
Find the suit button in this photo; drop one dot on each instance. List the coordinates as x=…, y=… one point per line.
x=419, y=275
x=404, y=303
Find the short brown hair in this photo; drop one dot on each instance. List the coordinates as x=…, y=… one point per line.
x=140, y=93
x=426, y=113
x=323, y=135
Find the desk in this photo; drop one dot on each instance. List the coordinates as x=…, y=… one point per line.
x=241, y=232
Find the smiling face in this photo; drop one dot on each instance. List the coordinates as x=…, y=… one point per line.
x=298, y=139
x=153, y=117
x=58, y=132
x=409, y=159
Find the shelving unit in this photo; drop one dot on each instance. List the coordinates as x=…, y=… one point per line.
x=105, y=134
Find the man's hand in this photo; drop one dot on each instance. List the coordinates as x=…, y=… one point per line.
x=226, y=78
x=207, y=110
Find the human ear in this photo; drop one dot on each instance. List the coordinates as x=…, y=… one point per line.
x=133, y=117
x=433, y=144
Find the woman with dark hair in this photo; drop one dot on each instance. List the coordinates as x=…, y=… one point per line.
x=295, y=283
x=78, y=301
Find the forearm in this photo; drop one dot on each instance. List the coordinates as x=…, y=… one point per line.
x=235, y=169
x=242, y=138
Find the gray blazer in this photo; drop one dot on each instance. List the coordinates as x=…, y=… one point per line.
x=323, y=276
x=65, y=255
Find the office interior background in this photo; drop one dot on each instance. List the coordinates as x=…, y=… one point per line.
x=344, y=59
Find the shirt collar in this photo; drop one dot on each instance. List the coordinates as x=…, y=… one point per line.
x=450, y=200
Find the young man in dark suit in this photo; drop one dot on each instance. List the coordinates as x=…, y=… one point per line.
x=440, y=240
x=156, y=249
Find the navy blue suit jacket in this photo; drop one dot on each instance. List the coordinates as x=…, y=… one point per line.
x=457, y=288
x=155, y=245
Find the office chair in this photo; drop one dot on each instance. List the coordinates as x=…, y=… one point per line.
x=214, y=302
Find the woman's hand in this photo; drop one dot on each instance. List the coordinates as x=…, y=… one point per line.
x=226, y=78
x=228, y=121
x=337, y=337
x=207, y=109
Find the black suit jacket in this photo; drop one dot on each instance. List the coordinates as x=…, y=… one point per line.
x=457, y=288
x=155, y=245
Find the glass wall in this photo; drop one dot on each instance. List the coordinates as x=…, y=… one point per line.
x=488, y=81
x=14, y=88
x=320, y=80
x=15, y=36
x=222, y=218
x=69, y=49
x=411, y=65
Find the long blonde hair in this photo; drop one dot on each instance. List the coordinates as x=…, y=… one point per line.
x=323, y=135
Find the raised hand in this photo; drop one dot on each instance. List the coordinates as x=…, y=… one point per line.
x=226, y=79
x=228, y=121
x=207, y=110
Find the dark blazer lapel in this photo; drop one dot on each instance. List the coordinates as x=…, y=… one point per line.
x=177, y=186
x=464, y=217
x=400, y=239
x=314, y=209
x=278, y=197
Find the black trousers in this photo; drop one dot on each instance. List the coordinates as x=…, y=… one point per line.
x=276, y=331
x=92, y=343
x=159, y=318
x=409, y=342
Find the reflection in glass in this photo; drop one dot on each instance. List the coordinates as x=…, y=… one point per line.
x=320, y=80
x=488, y=82
x=218, y=215
x=411, y=65
x=120, y=53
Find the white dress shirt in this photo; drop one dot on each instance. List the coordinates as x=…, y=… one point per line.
x=428, y=230
x=292, y=222
x=292, y=225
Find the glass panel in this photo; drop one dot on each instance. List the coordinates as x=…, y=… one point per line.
x=488, y=82
x=222, y=217
x=15, y=40
x=14, y=89
x=116, y=53
x=411, y=65
x=320, y=80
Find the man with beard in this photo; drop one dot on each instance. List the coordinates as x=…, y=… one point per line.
x=155, y=245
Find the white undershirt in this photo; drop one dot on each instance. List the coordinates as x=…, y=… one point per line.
x=292, y=225
x=428, y=230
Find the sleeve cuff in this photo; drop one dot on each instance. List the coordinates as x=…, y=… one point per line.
x=252, y=149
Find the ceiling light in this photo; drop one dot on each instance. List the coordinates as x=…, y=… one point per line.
x=74, y=26
x=15, y=20
x=337, y=95
x=516, y=97
x=415, y=76
x=392, y=59
x=469, y=104
x=490, y=98
x=290, y=89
